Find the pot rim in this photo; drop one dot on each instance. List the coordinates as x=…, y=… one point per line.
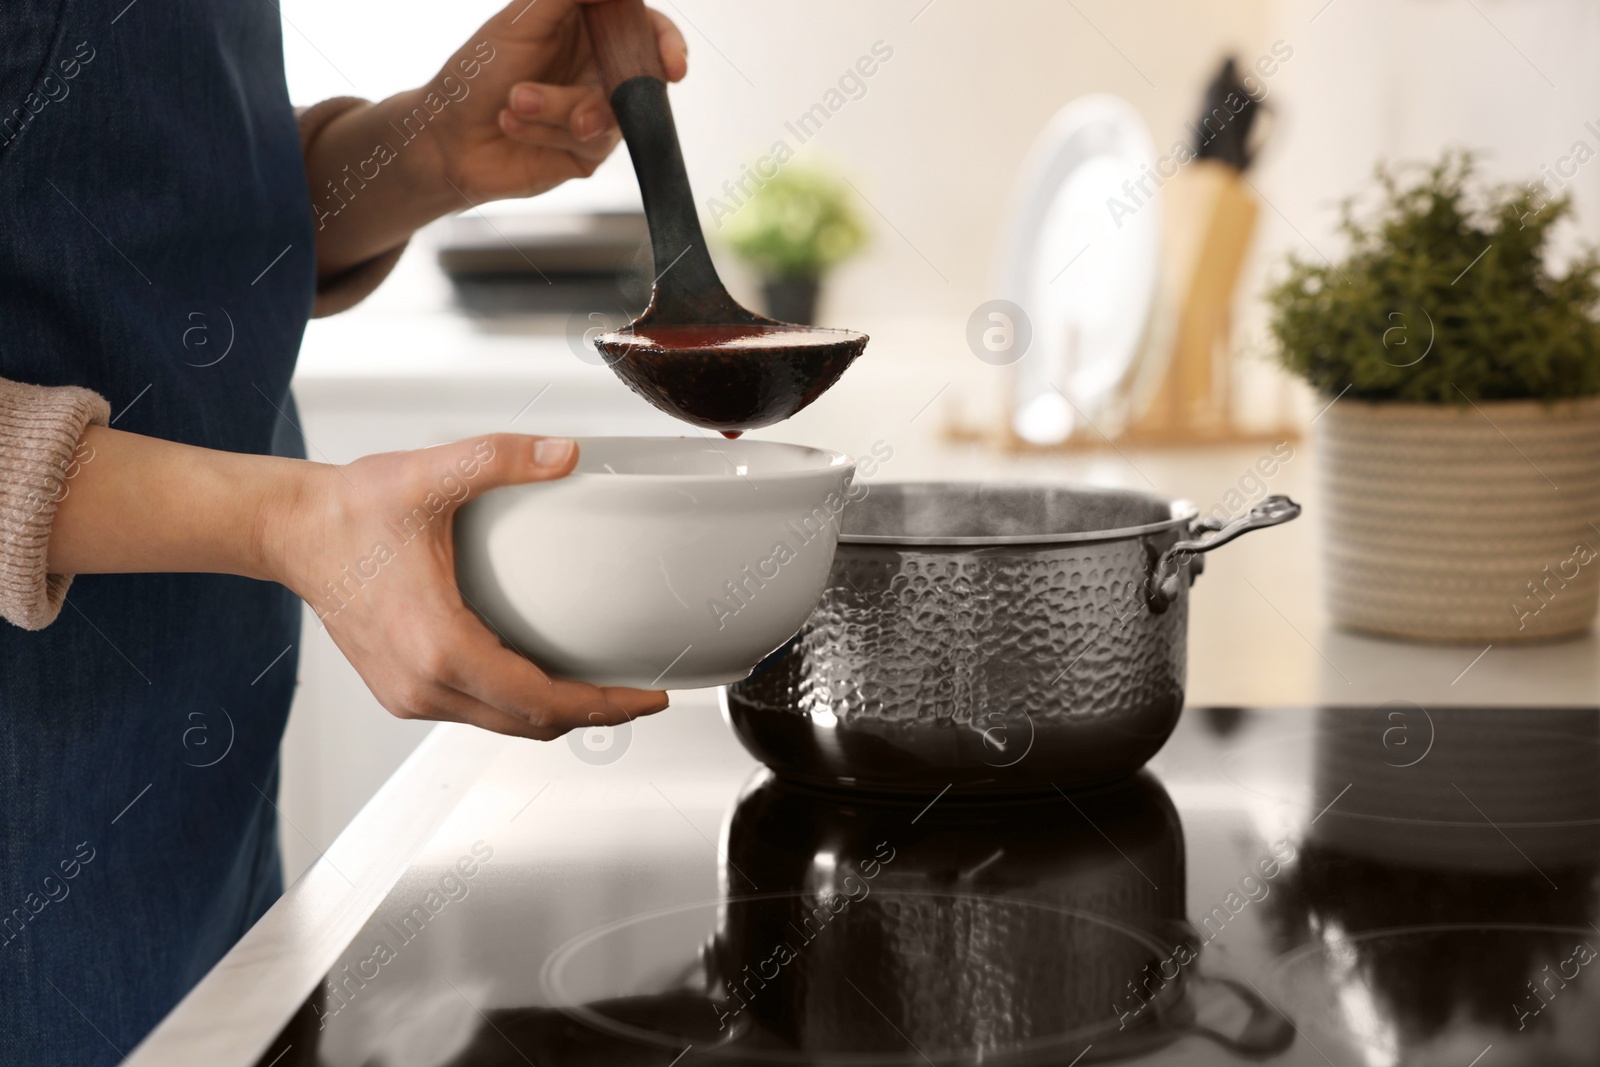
x=1181, y=513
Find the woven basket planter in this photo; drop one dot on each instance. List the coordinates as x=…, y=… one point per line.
x=1462, y=524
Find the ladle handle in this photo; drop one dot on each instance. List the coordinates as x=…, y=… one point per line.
x=624, y=42
x=686, y=287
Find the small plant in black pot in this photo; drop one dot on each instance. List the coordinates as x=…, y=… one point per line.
x=1459, y=424
x=796, y=227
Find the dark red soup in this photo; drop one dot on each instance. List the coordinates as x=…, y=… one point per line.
x=724, y=337
x=730, y=377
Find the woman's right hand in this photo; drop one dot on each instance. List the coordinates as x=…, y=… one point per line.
x=370, y=547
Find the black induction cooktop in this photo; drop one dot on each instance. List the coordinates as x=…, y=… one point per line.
x=1340, y=886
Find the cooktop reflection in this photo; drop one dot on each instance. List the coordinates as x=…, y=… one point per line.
x=1373, y=886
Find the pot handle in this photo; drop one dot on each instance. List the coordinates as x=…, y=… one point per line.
x=1265, y=1033
x=1167, y=573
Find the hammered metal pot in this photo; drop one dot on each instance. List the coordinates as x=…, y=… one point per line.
x=881, y=931
x=993, y=638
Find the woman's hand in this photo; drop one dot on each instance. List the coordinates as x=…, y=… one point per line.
x=369, y=546
x=516, y=111
x=537, y=113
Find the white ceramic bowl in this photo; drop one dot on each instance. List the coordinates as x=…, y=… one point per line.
x=660, y=562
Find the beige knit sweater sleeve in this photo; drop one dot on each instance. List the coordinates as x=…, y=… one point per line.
x=40, y=431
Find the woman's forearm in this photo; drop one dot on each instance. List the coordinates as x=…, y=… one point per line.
x=375, y=177
x=139, y=504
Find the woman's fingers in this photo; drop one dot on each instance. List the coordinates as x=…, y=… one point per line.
x=450, y=705
x=579, y=110
x=488, y=672
x=472, y=678
x=674, y=49
x=586, y=155
x=511, y=459
x=582, y=109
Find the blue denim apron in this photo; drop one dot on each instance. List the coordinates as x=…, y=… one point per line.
x=157, y=248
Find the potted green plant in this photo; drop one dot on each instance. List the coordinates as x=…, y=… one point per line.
x=1459, y=430
x=797, y=226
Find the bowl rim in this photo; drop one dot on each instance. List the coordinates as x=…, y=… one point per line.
x=1181, y=513
x=832, y=463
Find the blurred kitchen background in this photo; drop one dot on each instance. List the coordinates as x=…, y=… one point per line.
x=971, y=190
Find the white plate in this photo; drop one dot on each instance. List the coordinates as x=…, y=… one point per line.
x=1082, y=258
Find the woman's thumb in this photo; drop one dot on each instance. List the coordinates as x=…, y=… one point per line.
x=512, y=459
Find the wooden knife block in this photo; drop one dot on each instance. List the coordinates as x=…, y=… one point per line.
x=1209, y=216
